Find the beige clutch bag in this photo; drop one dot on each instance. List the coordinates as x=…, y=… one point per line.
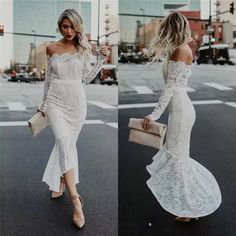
x=154, y=137
x=37, y=123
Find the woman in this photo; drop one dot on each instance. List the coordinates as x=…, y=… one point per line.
x=182, y=186
x=64, y=103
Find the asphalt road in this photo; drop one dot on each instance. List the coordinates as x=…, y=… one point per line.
x=212, y=144
x=26, y=207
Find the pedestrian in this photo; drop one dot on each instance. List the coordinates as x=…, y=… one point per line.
x=34, y=74
x=181, y=185
x=64, y=103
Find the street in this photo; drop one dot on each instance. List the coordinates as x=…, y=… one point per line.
x=26, y=204
x=213, y=92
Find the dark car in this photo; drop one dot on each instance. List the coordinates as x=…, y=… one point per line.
x=219, y=54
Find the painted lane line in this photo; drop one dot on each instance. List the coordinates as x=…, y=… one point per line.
x=143, y=90
x=16, y=106
x=102, y=105
x=113, y=124
x=190, y=89
x=137, y=105
x=25, y=123
x=144, y=105
x=232, y=104
x=207, y=102
x=93, y=122
x=217, y=86
x=13, y=123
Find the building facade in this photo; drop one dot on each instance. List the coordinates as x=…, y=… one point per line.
x=133, y=14
x=40, y=18
x=229, y=21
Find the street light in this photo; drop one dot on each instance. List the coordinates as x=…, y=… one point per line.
x=144, y=37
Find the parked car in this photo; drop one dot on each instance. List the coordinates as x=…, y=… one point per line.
x=220, y=54
x=21, y=76
x=109, y=74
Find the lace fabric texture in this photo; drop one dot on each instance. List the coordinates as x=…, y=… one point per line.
x=64, y=103
x=181, y=185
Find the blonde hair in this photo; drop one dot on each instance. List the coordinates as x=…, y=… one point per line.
x=173, y=32
x=80, y=39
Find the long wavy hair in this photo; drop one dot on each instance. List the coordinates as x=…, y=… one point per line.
x=173, y=32
x=80, y=39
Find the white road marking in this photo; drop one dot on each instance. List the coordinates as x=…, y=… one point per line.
x=190, y=89
x=137, y=105
x=16, y=106
x=13, y=123
x=217, y=86
x=114, y=125
x=143, y=90
x=207, y=102
x=232, y=104
x=144, y=105
x=25, y=123
x=93, y=122
x=102, y=105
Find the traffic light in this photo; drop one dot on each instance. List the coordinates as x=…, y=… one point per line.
x=1, y=30
x=231, y=9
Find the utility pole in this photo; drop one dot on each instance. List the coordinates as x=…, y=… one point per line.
x=210, y=30
x=98, y=23
x=33, y=31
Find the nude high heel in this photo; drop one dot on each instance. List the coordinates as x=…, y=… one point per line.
x=62, y=189
x=79, y=222
x=185, y=219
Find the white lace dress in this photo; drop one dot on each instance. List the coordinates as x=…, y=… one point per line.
x=181, y=185
x=65, y=105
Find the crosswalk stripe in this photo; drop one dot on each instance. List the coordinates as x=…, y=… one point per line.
x=217, y=86
x=144, y=105
x=25, y=123
x=190, y=89
x=102, y=105
x=113, y=124
x=143, y=90
x=16, y=106
x=232, y=104
x=13, y=123
x=93, y=122
x=137, y=105
x=207, y=102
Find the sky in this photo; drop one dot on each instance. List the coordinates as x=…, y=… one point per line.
x=205, y=8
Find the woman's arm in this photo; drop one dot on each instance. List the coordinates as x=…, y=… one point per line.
x=174, y=71
x=89, y=72
x=42, y=107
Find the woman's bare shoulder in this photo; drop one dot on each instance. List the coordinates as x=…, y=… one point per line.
x=183, y=53
x=52, y=48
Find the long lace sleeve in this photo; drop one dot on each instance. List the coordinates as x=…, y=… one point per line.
x=48, y=78
x=174, y=72
x=89, y=72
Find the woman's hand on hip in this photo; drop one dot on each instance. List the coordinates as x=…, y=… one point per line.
x=146, y=122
